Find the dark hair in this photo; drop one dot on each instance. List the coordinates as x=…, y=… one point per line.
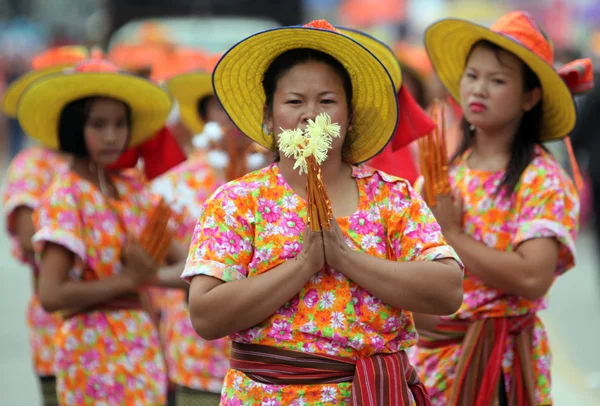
x=202, y=107
x=287, y=60
x=71, y=125
x=528, y=134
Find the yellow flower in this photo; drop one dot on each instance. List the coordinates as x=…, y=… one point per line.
x=323, y=121
x=291, y=142
x=316, y=141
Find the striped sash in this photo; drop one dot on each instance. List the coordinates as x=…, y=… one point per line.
x=480, y=364
x=380, y=380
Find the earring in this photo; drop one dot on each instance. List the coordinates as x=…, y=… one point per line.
x=266, y=130
x=472, y=128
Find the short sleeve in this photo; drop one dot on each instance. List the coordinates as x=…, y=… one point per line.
x=223, y=240
x=58, y=220
x=413, y=232
x=550, y=210
x=22, y=187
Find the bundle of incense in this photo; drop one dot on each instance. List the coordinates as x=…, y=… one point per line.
x=309, y=149
x=156, y=237
x=433, y=158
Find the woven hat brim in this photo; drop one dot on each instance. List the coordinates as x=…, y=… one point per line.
x=188, y=89
x=41, y=104
x=448, y=44
x=237, y=81
x=384, y=53
x=10, y=100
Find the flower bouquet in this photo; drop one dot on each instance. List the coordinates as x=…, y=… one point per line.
x=309, y=148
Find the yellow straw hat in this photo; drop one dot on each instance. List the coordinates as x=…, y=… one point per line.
x=41, y=104
x=188, y=89
x=238, y=76
x=384, y=53
x=449, y=42
x=51, y=61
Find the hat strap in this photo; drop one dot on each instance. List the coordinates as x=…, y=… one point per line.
x=574, y=166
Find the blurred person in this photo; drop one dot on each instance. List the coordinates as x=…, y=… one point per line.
x=512, y=216
x=93, y=268
x=313, y=314
x=219, y=154
x=396, y=158
x=28, y=177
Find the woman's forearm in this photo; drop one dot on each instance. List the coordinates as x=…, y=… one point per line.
x=71, y=295
x=516, y=272
x=218, y=309
x=170, y=277
x=431, y=287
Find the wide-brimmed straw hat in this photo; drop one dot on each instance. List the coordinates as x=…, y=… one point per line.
x=43, y=101
x=53, y=60
x=449, y=42
x=188, y=89
x=238, y=76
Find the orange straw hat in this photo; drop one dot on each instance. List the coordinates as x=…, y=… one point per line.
x=449, y=42
x=41, y=104
x=51, y=61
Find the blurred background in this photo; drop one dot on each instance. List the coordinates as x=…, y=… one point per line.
x=27, y=27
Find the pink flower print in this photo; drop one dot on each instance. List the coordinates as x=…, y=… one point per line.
x=116, y=394
x=311, y=298
x=357, y=300
x=377, y=343
x=290, y=308
x=391, y=324
x=230, y=402
x=96, y=388
x=281, y=331
x=473, y=185
x=292, y=224
x=360, y=224
x=90, y=359
x=291, y=249
x=269, y=210
x=372, y=187
x=343, y=341
x=270, y=402
x=67, y=220
x=230, y=242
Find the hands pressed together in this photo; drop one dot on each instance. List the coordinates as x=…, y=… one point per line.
x=325, y=247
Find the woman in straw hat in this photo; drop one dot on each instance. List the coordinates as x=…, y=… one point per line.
x=27, y=178
x=514, y=217
x=311, y=313
x=91, y=267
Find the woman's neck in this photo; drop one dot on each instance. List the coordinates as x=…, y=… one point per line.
x=492, y=148
x=95, y=174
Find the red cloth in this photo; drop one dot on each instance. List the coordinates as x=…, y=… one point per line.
x=160, y=153
x=397, y=163
x=413, y=123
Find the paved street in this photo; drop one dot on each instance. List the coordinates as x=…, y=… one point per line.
x=574, y=309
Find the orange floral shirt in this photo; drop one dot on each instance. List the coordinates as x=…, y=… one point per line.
x=545, y=205
x=109, y=357
x=27, y=179
x=255, y=223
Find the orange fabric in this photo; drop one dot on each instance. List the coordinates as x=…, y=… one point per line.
x=58, y=56
x=578, y=75
x=520, y=27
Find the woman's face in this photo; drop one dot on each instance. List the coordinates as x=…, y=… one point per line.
x=305, y=91
x=492, y=90
x=106, y=130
